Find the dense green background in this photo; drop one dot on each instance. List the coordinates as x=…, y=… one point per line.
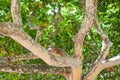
x=108, y=17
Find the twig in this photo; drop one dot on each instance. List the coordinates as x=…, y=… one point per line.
x=29, y=22
x=57, y=17
x=38, y=27
x=92, y=47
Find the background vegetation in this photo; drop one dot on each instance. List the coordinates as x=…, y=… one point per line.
x=72, y=14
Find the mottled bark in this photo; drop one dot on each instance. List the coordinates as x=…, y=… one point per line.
x=90, y=11
x=16, y=13
x=70, y=67
x=27, y=69
x=9, y=29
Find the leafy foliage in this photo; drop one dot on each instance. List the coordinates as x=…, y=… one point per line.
x=108, y=15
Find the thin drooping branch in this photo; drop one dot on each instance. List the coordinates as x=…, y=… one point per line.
x=55, y=22
x=16, y=12
x=33, y=69
x=10, y=29
x=57, y=18
x=32, y=15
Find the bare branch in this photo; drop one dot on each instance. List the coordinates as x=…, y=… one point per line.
x=90, y=14
x=93, y=72
x=17, y=58
x=39, y=33
x=9, y=29
x=106, y=43
x=57, y=18
x=98, y=66
x=16, y=12
x=92, y=47
x=102, y=65
x=38, y=27
x=83, y=2
x=111, y=62
x=33, y=69
x=29, y=56
x=29, y=22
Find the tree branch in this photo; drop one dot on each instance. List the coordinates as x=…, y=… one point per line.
x=17, y=58
x=57, y=18
x=83, y=2
x=106, y=43
x=86, y=26
x=111, y=62
x=33, y=69
x=29, y=22
x=90, y=12
x=38, y=27
x=102, y=65
x=39, y=33
x=16, y=12
x=9, y=29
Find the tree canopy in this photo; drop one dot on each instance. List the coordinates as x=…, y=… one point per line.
x=28, y=28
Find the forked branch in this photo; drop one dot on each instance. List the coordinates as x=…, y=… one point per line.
x=9, y=29
x=106, y=44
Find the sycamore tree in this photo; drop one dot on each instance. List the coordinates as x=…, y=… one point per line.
x=52, y=32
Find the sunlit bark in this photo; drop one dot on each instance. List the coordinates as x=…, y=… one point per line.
x=70, y=67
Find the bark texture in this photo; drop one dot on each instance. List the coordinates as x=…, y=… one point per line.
x=70, y=67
